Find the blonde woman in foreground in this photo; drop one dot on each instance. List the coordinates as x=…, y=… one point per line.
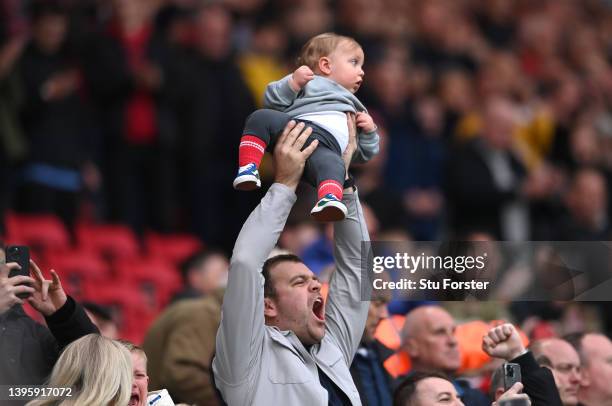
x=99, y=371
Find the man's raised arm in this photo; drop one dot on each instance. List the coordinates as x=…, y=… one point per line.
x=240, y=334
x=345, y=312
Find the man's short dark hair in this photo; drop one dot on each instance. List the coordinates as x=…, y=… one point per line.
x=497, y=381
x=405, y=392
x=196, y=260
x=575, y=339
x=536, y=349
x=269, y=290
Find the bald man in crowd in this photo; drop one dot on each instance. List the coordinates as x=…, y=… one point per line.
x=595, y=351
x=428, y=337
x=562, y=359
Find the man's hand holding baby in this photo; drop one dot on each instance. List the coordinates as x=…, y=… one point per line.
x=300, y=77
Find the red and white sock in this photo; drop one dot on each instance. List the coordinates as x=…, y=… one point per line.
x=330, y=186
x=251, y=150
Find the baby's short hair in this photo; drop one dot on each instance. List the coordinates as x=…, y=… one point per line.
x=134, y=348
x=320, y=46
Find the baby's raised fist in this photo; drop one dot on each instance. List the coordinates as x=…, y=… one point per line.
x=300, y=77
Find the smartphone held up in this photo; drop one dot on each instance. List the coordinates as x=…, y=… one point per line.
x=21, y=255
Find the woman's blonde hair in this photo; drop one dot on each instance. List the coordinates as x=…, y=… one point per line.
x=99, y=371
x=320, y=46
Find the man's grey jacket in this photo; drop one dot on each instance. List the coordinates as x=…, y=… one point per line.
x=257, y=364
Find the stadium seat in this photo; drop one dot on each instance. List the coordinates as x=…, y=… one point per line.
x=172, y=247
x=43, y=233
x=155, y=278
x=111, y=241
x=77, y=268
x=128, y=306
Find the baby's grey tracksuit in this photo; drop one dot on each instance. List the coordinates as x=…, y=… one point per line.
x=319, y=95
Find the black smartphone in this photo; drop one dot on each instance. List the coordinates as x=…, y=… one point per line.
x=21, y=255
x=512, y=374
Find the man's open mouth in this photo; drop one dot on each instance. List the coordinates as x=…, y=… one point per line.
x=318, y=308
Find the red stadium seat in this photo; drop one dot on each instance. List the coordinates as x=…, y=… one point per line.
x=111, y=241
x=128, y=306
x=76, y=268
x=172, y=247
x=41, y=232
x=154, y=278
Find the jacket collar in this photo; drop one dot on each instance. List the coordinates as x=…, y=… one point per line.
x=288, y=340
x=320, y=352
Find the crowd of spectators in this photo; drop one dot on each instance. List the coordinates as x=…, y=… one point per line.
x=496, y=113
x=496, y=124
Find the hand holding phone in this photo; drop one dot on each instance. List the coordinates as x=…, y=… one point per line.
x=515, y=402
x=21, y=255
x=513, y=397
x=512, y=374
x=12, y=287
